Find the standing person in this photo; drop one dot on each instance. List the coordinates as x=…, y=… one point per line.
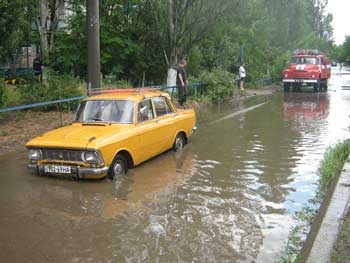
x=242, y=75
x=181, y=80
x=37, y=64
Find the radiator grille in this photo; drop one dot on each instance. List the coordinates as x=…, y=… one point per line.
x=62, y=155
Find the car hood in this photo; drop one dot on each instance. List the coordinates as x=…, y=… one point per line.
x=78, y=135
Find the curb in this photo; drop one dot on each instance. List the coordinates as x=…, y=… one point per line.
x=327, y=233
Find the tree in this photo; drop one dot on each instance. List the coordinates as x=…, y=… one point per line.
x=141, y=38
x=183, y=24
x=322, y=21
x=69, y=54
x=15, y=26
x=49, y=12
x=346, y=51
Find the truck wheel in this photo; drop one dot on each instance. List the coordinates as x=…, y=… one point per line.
x=299, y=87
x=294, y=88
x=317, y=86
x=286, y=87
x=325, y=86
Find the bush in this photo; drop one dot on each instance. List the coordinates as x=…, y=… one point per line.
x=3, y=95
x=56, y=87
x=110, y=82
x=32, y=92
x=9, y=95
x=219, y=84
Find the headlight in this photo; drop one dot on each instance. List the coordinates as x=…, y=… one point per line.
x=313, y=76
x=286, y=75
x=34, y=154
x=91, y=157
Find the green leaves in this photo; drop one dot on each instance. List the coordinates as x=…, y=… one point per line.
x=15, y=25
x=140, y=39
x=219, y=84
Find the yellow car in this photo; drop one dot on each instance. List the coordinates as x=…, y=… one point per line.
x=112, y=132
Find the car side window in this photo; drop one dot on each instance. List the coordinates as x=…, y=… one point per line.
x=145, y=111
x=161, y=106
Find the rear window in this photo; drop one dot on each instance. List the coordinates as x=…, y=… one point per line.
x=161, y=106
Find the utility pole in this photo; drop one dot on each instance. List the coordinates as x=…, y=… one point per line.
x=93, y=28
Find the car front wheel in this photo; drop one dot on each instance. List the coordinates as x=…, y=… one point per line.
x=119, y=167
x=179, y=143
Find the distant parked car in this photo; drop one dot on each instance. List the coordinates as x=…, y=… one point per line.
x=111, y=133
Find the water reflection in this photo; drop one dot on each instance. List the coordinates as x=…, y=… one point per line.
x=305, y=108
x=82, y=215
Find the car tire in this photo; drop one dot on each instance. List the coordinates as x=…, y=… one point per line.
x=317, y=86
x=325, y=86
x=119, y=167
x=179, y=143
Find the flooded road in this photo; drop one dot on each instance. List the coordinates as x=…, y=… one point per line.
x=228, y=197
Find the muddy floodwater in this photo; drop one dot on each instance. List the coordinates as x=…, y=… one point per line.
x=228, y=197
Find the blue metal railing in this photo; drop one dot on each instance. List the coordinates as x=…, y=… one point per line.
x=170, y=89
x=40, y=104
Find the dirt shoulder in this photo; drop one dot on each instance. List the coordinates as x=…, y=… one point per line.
x=16, y=128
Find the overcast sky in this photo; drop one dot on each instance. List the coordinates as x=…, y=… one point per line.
x=341, y=19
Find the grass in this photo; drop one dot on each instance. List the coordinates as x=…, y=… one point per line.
x=341, y=249
x=331, y=166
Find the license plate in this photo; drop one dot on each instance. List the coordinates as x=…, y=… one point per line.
x=57, y=169
x=298, y=80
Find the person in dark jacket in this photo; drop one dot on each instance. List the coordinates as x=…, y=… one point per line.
x=181, y=81
x=37, y=67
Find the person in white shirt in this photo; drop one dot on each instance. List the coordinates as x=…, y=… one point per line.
x=242, y=75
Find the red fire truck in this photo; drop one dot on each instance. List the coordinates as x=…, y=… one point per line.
x=307, y=67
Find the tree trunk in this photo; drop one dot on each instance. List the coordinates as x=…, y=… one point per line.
x=47, y=23
x=172, y=60
x=41, y=25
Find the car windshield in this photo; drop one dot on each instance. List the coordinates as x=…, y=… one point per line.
x=120, y=111
x=305, y=60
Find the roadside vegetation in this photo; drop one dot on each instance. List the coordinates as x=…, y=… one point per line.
x=141, y=40
x=330, y=169
x=56, y=87
x=341, y=250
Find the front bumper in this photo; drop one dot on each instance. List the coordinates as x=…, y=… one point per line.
x=299, y=80
x=77, y=171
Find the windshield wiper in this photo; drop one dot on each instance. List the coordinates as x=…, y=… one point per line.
x=96, y=121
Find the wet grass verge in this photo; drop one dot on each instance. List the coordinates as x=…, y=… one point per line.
x=296, y=246
x=341, y=249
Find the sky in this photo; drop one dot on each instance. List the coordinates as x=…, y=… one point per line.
x=341, y=19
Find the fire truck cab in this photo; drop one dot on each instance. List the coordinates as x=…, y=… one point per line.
x=307, y=67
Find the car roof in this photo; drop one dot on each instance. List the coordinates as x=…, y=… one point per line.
x=128, y=94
